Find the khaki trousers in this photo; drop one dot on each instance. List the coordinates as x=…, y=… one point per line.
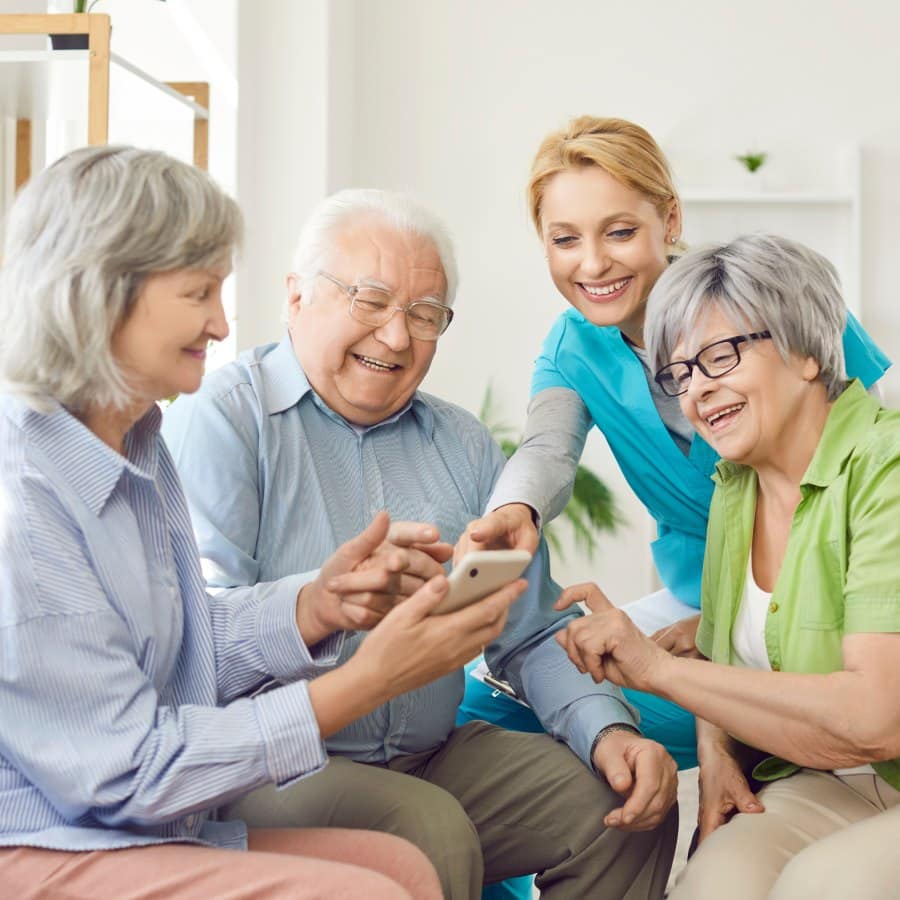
x=314, y=864
x=820, y=838
x=488, y=804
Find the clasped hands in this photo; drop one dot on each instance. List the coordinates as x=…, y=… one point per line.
x=367, y=577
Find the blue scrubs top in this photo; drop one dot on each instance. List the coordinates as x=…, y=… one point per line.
x=597, y=363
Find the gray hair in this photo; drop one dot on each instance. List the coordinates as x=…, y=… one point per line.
x=81, y=238
x=399, y=211
x=764, y=283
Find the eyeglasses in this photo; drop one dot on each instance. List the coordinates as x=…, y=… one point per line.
x=426, y=319
x=713, y=360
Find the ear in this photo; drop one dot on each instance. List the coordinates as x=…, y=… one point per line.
x=294, y=297
x=810, y=369
x=672, y=221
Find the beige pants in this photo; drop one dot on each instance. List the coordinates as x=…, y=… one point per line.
x=821, y=838
x=486, y=805
x=310, y=864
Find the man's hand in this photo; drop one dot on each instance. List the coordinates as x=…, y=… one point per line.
x=641, y=771
x=367, y=576
x=608, y=644
x=425, y=556
x=509, y=527
x=679, y=638
x=724, y=790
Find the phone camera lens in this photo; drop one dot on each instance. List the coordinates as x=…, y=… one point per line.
x=473, y=573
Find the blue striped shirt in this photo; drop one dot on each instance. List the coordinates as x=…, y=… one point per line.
x=276, y=481
x=122, y=709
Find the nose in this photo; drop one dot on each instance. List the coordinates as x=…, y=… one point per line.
x=395, y=332
x=700, y=385
x=217, y=325
x=595, y=260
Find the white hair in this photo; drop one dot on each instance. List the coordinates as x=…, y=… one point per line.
x=397, y=210
x=81, y=238
x=763, y=282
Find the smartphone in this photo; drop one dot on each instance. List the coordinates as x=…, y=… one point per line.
x=481, y=573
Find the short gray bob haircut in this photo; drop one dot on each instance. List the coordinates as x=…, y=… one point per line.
x=81, y=238
x=762, y=282
x=397, y=210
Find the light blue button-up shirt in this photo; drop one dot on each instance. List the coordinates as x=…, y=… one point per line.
x=121, y=682
x=276, y=481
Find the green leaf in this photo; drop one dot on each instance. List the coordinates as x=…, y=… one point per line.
x=591, y=509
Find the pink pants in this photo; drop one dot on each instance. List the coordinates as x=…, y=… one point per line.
x=300, y=864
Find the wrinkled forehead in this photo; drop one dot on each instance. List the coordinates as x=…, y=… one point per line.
x=375, y=251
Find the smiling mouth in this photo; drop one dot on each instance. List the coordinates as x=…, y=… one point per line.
x=721, y=417
x=603, y=293
x=375, y=365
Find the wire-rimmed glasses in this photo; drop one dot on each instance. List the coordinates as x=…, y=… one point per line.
x=426, y=319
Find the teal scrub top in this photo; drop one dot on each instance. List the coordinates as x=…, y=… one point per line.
x=597, y=363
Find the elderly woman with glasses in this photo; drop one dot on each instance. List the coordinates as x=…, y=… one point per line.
x=801, y=594
x=132, y=704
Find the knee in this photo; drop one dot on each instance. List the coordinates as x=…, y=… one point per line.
x=817, y=872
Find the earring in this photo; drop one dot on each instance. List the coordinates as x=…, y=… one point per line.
x=673, y=239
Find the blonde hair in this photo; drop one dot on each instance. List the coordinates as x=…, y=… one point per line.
x=624, y=150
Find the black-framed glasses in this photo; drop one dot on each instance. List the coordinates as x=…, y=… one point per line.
x=426, y=319
x=713, y=360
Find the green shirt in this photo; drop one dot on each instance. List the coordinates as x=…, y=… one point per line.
x=840, y=574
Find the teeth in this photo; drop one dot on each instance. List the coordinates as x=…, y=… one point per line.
x=724, y=412
x=376, y=364
x=607, y=289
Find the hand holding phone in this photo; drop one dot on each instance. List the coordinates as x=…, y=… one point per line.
x=479, y=573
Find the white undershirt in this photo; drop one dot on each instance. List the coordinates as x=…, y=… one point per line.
x=748, y=639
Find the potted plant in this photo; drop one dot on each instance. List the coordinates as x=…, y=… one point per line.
x=591, y=508
x=73, y=41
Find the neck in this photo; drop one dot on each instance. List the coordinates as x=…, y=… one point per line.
x=111, y=425
x=781, y=472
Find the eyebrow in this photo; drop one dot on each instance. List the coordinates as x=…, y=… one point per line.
x=606, y=220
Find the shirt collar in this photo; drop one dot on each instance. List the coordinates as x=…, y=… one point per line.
x=848, y=420
x=88, y=465
x=287, y=385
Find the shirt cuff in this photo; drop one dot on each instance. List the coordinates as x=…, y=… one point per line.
x=293, y=745
x=286, y=655
x=584, y=719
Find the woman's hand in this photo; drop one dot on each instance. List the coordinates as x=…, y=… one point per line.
x=724, y=790
x=679, y=638
x=509, y=527
x=409, y=648
x=608, y=644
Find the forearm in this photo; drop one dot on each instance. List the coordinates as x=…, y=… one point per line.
x=542, y=471
x=256, y=637
x=821, y=721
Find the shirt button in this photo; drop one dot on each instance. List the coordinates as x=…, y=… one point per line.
x=773, y=607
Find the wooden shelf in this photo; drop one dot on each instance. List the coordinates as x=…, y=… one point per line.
x=24, y=85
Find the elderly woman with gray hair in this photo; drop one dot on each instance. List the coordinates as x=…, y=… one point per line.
x=123, y=686
x=801, y=594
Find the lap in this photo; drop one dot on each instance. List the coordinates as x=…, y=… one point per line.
x=188, y=871
x=750, y=852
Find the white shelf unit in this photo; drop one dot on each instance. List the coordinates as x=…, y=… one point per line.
x=828, y=220
x=85, y=89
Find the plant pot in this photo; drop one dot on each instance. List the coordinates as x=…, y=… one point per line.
x=69, y=41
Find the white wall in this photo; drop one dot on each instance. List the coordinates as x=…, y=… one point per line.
x=450, y=99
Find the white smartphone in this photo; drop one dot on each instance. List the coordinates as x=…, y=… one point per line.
x=481, y=573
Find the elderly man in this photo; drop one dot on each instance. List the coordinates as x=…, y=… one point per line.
x=291, y=450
